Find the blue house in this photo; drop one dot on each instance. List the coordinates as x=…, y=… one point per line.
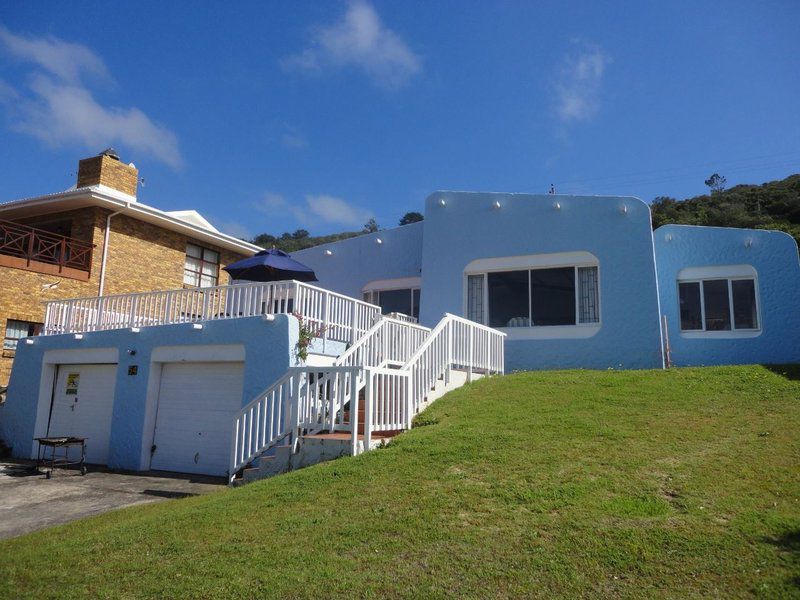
x=216, y=380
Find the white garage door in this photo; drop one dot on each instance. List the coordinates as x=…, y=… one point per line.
x=82, y=403
x=196, y=406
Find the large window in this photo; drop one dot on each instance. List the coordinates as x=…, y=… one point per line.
x=718, y=305
x=201, y=268
x=404, y=300
x=16, y=330
x=535, y=297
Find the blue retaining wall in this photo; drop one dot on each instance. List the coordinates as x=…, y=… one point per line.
x=774, y=256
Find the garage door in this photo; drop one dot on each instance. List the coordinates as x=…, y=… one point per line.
x=196, y=406
x=82, y=403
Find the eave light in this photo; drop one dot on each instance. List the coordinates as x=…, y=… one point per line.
x=378, y=241
x=442, y=202
x=328, y=252
x=496, y=204
x=557, y=205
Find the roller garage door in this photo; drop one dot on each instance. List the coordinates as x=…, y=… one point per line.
x=83, y=399
x=196, y=406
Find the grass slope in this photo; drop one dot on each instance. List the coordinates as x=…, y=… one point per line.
x=551, y=484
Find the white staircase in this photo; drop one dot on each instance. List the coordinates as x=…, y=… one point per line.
x=373, y=390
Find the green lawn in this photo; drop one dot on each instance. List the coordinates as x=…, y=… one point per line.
x=553, y=484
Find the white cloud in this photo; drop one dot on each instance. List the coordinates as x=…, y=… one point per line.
x=315, y=209
x=336, y=210
x=359, y=39
x=578, y=82
x=63, y=59
x=58, y=108
x=294, y=140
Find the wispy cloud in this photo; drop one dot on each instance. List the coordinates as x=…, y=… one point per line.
x=578, y=82
x=315, y=209
x=58, y=107
x=294, y=140
x=359, y=39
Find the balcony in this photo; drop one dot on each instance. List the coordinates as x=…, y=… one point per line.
x=31, y=249
x=342, y=319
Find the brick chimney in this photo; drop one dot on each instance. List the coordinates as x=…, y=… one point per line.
x=106, y=169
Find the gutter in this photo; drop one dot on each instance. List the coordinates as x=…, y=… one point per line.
x=105, y=252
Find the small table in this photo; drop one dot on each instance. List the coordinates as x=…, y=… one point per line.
x=60, y=461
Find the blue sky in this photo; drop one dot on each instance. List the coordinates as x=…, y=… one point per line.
x=270, y=116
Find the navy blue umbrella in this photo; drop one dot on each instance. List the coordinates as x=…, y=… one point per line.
x=270, y=265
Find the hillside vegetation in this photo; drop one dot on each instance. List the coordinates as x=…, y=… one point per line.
x=773, y=205
x=639, y=484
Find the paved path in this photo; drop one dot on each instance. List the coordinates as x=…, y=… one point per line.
x=29, y=501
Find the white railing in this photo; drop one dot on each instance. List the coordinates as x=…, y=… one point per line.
x=310, y=399
x=388, y=340
x=345, y=319
x=305, y=398
x=402, y=317
x=454, y=343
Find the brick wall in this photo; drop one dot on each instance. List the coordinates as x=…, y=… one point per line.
x=142, y=257
x=109, y=172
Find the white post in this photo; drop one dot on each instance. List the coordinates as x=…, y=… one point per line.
x=471, y=352
x=326, y=320
x=354, y=323
x=369, y=401
x=354, y=413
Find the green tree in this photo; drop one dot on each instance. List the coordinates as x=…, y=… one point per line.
x=716, y=183
x=411, y=217
x=370, y=226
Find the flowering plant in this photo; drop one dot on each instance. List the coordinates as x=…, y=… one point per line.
x=306, y=335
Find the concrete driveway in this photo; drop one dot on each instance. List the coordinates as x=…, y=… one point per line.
x=29, y=501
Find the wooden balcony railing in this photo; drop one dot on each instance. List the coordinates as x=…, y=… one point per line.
x=31, y=245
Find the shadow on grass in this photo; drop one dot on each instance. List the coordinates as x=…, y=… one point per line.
x=789, y=542
x=791, y=372
x=168, y=494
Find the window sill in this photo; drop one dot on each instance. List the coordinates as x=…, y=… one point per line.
x=551, y=332
x=721, y=335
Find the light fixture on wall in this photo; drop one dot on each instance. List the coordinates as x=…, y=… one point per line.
x=328, y=252
x=378, y=241
x=29, y=341
x=668, y=237
x=442, y=202
x=748, y=243
x=557, y=205
x=496, y=204
x=131, y=351
x=78, y=336
x=623, y=210
x=197, y=326
x=135, y=329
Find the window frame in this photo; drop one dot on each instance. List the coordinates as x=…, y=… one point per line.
x=724, y=333
x=371, y=291
x=198, y=275
x=35, y=328
x=574, y=260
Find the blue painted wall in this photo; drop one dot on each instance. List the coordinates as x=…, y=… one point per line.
x=774, y=256
x=357, y=261
x=467, y=227
x=269, y=351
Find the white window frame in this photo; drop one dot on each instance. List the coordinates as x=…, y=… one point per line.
x=412, y=284
x=528, y=263
x=729, y=273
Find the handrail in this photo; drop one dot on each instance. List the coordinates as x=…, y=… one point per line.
x=33, y=244
x=344, y=319
x=308, y=399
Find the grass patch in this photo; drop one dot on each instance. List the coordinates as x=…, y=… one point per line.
x=545, y=484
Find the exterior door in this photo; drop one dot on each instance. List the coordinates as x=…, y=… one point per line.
x=83, y=400
x=196, y=406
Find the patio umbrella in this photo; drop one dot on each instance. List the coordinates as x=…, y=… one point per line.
x=270, y=265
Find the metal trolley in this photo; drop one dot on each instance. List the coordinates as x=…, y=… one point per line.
x=60, y=460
